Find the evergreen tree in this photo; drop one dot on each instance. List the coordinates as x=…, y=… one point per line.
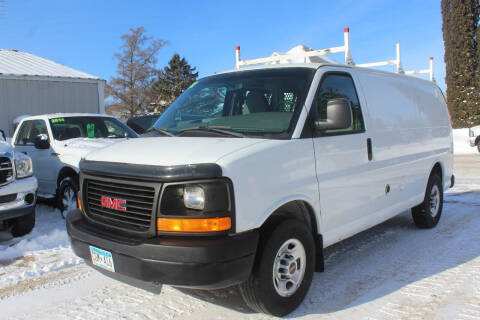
x=460, y=27
x=173, y=80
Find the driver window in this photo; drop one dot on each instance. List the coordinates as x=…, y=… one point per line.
x=114, y=130
x=339, y=85
x=29, y=131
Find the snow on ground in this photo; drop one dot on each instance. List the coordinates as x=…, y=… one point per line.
x=461, y=144
x=46, y=249
x=392, y=271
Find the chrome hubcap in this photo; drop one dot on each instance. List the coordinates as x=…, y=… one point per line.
x=434, y=201
x=69, y=199
x=289, y=267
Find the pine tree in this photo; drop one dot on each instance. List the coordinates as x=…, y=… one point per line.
x=460, y=27
x=173, y=80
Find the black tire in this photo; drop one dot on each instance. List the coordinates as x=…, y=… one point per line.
x=24, y=224
x=478, y=147
x=259, y=291
x=67, y=194
x=422, y=214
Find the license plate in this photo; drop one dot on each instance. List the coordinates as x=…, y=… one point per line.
x=102, y=258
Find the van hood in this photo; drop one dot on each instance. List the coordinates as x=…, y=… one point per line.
x=171, y=151
x=73, y=150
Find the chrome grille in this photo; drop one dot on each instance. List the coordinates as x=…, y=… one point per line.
x=140, y=200
x=6, y=170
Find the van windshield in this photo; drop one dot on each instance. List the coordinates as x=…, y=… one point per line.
x=64, y=128
x=261, y=103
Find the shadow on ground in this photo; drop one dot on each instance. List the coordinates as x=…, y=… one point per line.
x=382, y=260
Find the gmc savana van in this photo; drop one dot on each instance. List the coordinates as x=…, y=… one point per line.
x=255, y=171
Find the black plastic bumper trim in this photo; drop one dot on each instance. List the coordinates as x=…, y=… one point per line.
x=206, y=263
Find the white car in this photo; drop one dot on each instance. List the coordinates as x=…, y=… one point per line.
x=300, y=157
x=57, y=142
x=18, y=190
x=474, y=136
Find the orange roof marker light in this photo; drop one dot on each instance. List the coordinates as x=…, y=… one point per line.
x=194, y=225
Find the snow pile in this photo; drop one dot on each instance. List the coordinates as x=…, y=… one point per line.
x=56, y=238
x=461, y=143
x=45, y=250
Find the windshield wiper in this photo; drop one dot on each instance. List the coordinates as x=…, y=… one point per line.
x=217, y=129
x=160, y=130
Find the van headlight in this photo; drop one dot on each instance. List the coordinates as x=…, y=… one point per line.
x=194, y=197
x=470, y=133
x=200, y=206
x=23, y=166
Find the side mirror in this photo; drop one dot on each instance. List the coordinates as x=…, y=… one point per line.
x=2, y=135
x=339, y=115
x=41, y=141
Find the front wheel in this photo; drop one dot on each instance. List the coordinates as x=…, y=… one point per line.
x=427, y=214
x=283, y=271
x=67, y=195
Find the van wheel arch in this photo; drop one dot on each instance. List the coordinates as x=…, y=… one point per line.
x=299, y=210
x=438, y=170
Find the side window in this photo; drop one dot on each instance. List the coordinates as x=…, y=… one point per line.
x=114, y=130
x=338, y=85
x=29, y=131
x=23, y=132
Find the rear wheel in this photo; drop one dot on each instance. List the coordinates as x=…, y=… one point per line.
x=283, y=271
x=24, y=224
x=478, y=147
x=67, y=195
x=427, y=214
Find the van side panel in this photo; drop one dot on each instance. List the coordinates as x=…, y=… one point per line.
x=410, y=129
x=267, y=175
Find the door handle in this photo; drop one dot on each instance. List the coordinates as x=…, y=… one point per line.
x=25, y=152
x=369, y=149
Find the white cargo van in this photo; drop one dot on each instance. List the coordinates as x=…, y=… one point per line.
x=256, y=170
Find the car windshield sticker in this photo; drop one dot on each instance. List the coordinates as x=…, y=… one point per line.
x=57, y=120
x=193, y=84
x=91, y=130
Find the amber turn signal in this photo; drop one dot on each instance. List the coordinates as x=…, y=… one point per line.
x=79, y=204
x=194, y=225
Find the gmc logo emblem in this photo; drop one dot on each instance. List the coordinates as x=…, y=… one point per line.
x=115, y=204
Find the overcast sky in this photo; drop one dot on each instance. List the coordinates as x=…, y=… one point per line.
x=85, y=34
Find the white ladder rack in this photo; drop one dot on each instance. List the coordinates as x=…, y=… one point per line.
x=277, y=58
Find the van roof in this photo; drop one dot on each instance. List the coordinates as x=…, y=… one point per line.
x=319, y=65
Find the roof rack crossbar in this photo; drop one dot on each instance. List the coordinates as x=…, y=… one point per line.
x=277, y=58
x=314, y=53
x=428, y=71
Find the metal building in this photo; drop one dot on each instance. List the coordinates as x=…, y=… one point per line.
x=33, y=85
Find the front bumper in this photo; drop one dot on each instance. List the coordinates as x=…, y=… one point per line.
x=19, y=206
x=195, y=262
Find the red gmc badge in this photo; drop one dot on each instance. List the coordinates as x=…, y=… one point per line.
x=112, y=203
